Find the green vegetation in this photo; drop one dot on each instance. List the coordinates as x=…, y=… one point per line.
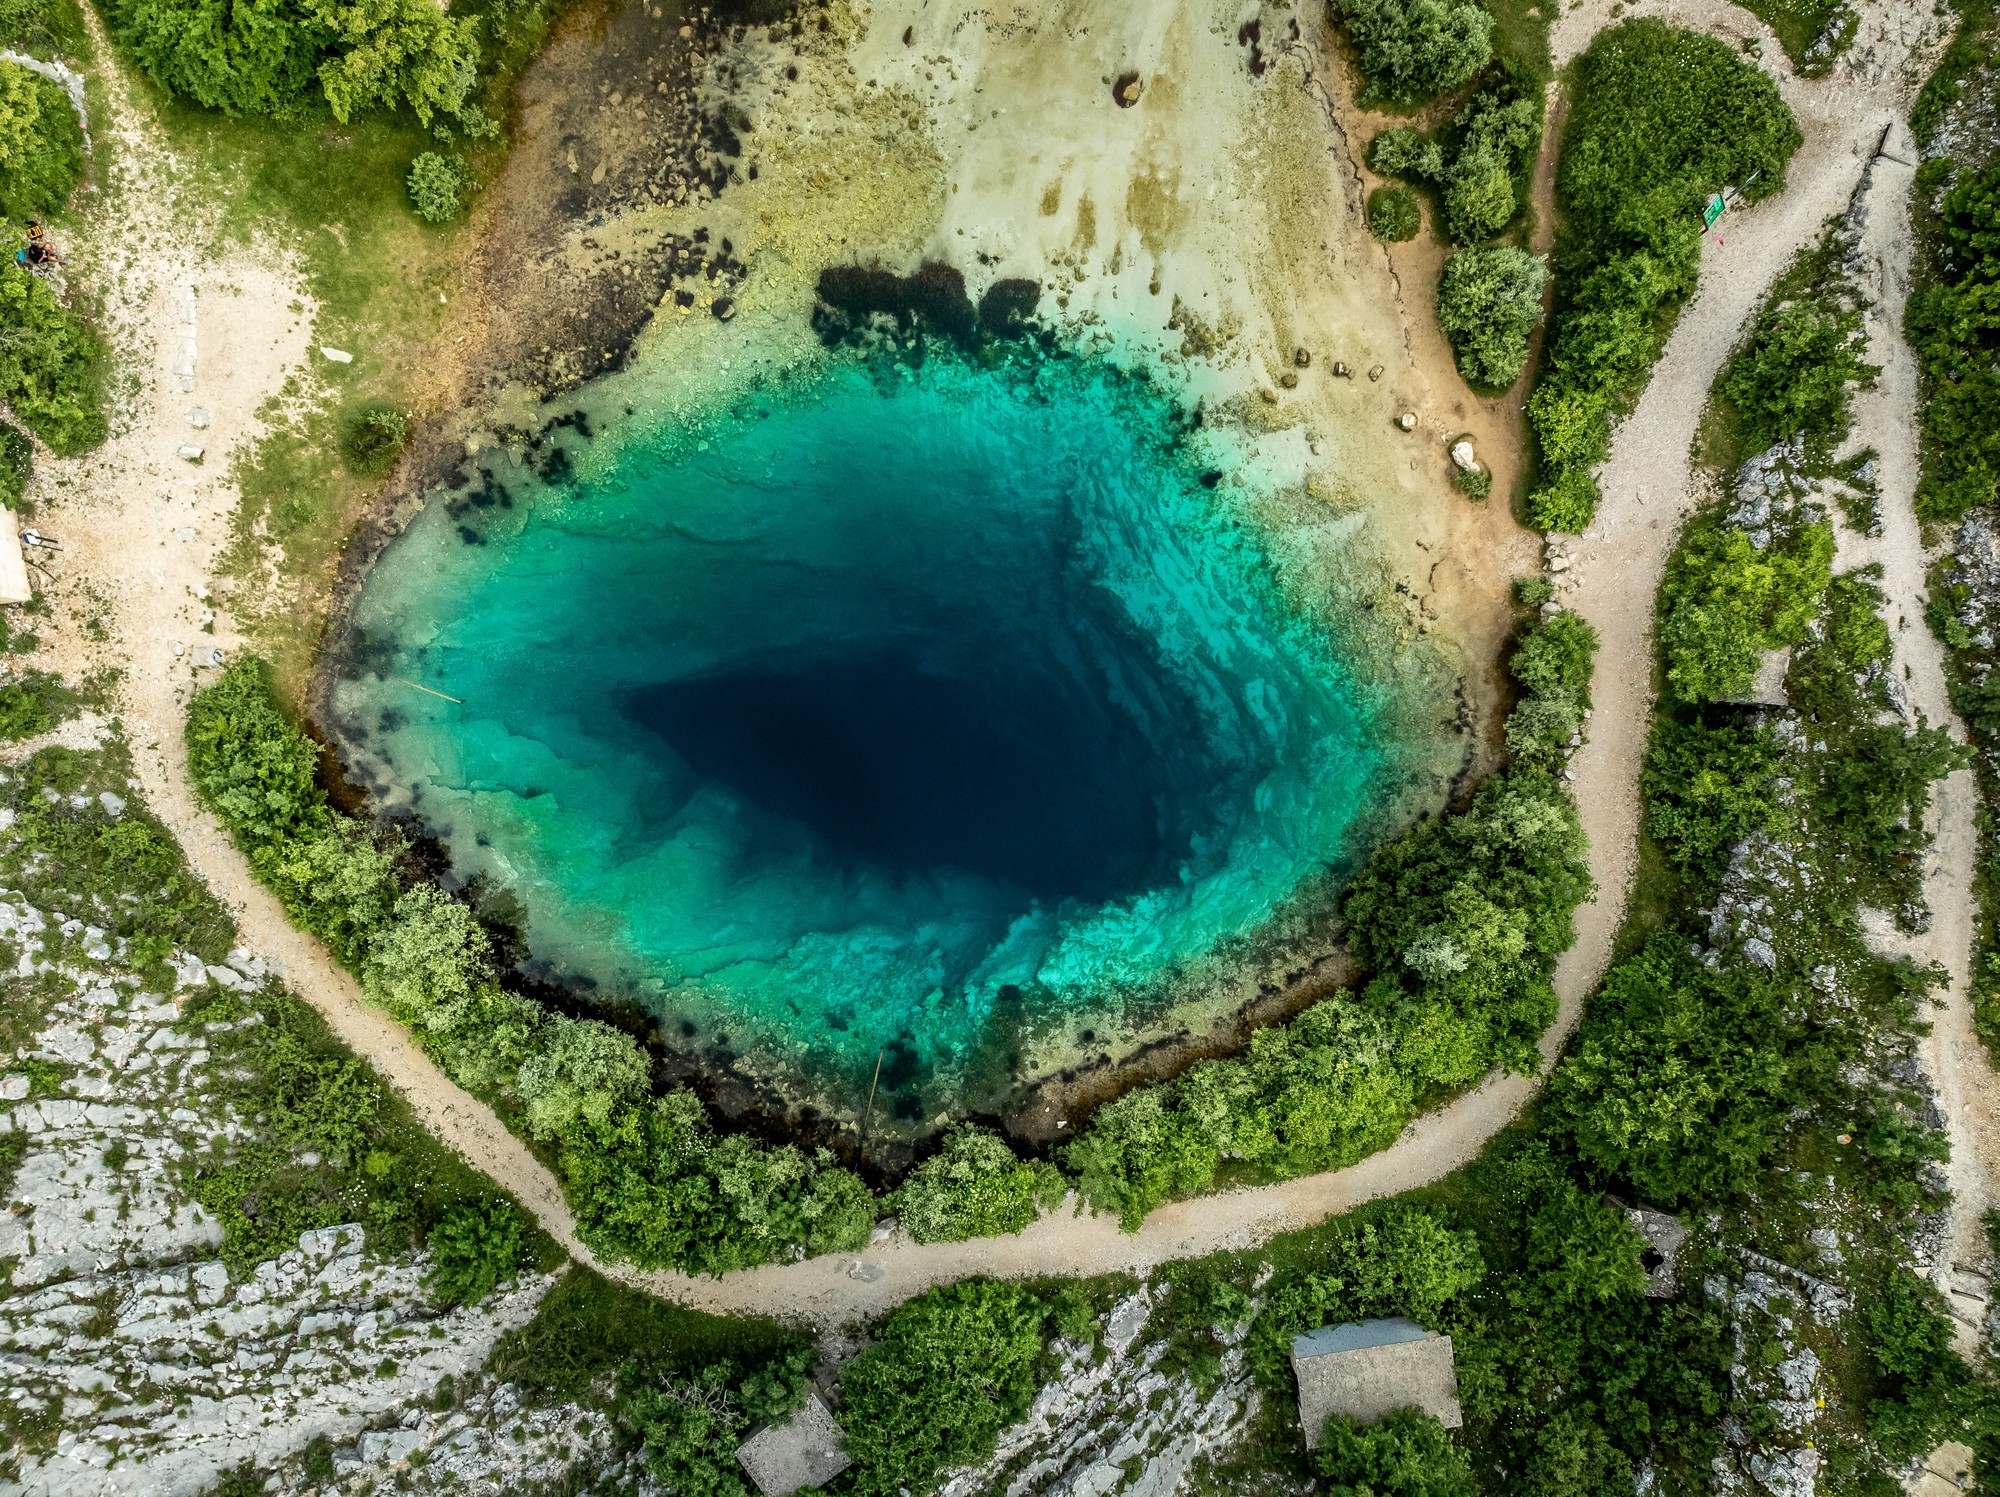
x=1406, y=1452
x=1489, y=302
x=1812, y=32
x=1975, y=46
x=475, y=1246
x=1661, y=119
x=386, y=55
x=33, y=702
x=683, y=1388
x=974, y=1187
x=51, y=364
x=1792, y=378
x=1953, y=324
x=41, y=144
x=1725, y=601
x=436, y=184
x=1479, y=164
x=1393, y=214
x=17, y=464
x=1458, y=921
x=647, y=1176
x=945, y=1373
x=45, y=28
x=371, y=436
x=1411, y=51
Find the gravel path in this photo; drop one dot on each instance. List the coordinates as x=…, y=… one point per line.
x=134, y=505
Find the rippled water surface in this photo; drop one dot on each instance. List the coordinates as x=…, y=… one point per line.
x=890, y=712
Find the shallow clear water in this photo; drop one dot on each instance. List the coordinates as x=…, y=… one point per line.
x=891, y=709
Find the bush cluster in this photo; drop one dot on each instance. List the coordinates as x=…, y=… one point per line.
x=45, y=28
x=1458, y=922
x=1726, y=601
x=276, y=58
x=1489, y=302
x=1413, y=50
x=1953, y=323
x=51, y=364
x=975, y=1187
x=647, y=1176
x=1478, y=163
x=1661, y=119
x=436, y=184
x=41, y=144
x=17, y=465
x=1393, y=214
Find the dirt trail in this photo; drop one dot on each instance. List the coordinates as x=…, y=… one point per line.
x=1885, y=418
x=145, y=527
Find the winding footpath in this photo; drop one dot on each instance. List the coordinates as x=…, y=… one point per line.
x=146, y=534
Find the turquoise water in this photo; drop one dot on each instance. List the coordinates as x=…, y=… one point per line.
x=892, y=713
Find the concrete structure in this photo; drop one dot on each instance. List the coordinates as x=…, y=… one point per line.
x=1364, y=1371
x=807, y=1450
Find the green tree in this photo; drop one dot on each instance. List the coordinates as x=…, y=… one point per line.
x=1953, y=324
x=1494, y=137
x=973, y=1187
x=474, y=1248
x=1794, y=375
x=1488, y=302
x=435, y=184
x=1393, y=214
x=1705, y=789
x=1406, y=1453
x=41, y=144
x=581, y=1072
x=1725, y=602
x=1413, y=50
x=51, y=364
x=946, y=1373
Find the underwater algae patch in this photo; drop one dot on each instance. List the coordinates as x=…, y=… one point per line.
x=942, y=716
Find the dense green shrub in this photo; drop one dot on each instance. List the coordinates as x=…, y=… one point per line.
x=1405, y=1453
x=1472, y=910
x=1475, y=162
x=371, y=435
x=1401, y=1261
x=45, y=28
x=1413, y=50
x=1661, y=118
x=41, y=144
x=1953, y=323
x=1683, y=1084
x=436, y=183
x=647, y=1176
x=974, y=1187
x=1495, y=134
x=1707, y=787
x=474, y=1248
x=1922, y=1385
x=1792, y=378
x=1393, y=214
x=945, y=1374
x=17, y=465
x=1553, y=664
x=1725, y=602
x=1488, y=303
x=273, y=56
x=51, y=364
x=32, y=702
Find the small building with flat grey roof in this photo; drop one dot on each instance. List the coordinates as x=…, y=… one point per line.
x=1366, y=1370
x=807, y=1450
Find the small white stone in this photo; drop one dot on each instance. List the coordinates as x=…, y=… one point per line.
x=13, y=1087
x=198, y=417
x=190, y=452
x=336, y=355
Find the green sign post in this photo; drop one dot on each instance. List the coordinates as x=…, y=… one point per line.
x=1713, y=211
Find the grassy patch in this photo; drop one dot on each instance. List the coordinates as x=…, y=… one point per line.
x=1812, y=32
